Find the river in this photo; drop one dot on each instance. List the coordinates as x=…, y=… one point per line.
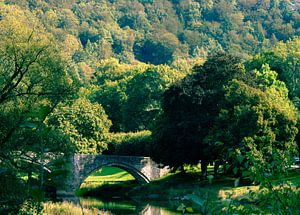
x=122, y=207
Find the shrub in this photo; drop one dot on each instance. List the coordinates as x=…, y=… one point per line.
x=132, y=143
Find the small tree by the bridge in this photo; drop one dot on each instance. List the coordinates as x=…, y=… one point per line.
x=85, y=123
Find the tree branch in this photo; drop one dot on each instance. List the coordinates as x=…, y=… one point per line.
x=10, y=86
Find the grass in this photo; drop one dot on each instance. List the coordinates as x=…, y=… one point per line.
x=102, y=179
x=67, y=208
x=109, y=174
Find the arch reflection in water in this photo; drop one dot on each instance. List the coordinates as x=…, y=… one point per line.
x=129, y=207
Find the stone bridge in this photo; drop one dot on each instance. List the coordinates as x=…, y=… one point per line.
x=143, y=169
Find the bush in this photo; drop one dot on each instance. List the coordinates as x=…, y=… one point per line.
x=132, y=143
x=12, y=192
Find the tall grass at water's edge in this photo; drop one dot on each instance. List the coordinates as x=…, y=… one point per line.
x=68, y=208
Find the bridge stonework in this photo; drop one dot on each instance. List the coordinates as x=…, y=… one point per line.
x=143, y=169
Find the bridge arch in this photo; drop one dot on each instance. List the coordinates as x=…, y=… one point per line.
x=138, y=175
x=143, y=169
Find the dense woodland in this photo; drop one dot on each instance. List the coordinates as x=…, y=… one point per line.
x=164, y=31
x=180, y=81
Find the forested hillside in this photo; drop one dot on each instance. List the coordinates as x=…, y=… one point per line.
x=185, y=82
x=163, y=31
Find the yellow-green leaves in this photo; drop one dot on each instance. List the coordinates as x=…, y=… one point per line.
x=86, y=125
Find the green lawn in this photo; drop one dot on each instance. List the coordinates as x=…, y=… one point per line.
x=101, y=181
x=106, y=175
x=109, y=174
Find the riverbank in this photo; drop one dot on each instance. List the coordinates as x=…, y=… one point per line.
x=185, y=191
x=69, y=208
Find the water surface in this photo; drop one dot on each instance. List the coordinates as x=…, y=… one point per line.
x=122, y=207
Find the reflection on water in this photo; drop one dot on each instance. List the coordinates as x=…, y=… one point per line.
x=120, y=207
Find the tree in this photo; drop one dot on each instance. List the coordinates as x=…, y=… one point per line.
x=112, y=96
x=158, y=48
x=285, y=60
x=256, y=133
x=222, y=112
x=131, y=94
x=33, y=80
x=115, y=26
x=110, y=82
x=256, y=127
x=85, y=123
x=144, y=97
x=189, y=108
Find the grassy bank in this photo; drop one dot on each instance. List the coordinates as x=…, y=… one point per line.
x=112, y=181
x=187, y=190
x=67, y=208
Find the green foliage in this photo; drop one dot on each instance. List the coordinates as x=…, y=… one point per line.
x=160, y=31
x=12, y=193
x=131, y=143
x=144, y=96
x=34, y=79
x=85, y=123
x=189, y=109
x=221, y=112
x=132, y=94
x=257, y=129
x=284, y=59
x=164, y=43
x=111, y=80
x=284, y=199
x=112, y=96
x=257, y=125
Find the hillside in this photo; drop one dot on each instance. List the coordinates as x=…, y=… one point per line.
x=162, y=31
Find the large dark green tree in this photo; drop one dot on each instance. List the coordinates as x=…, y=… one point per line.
x=223, y=112
x=189, y=109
